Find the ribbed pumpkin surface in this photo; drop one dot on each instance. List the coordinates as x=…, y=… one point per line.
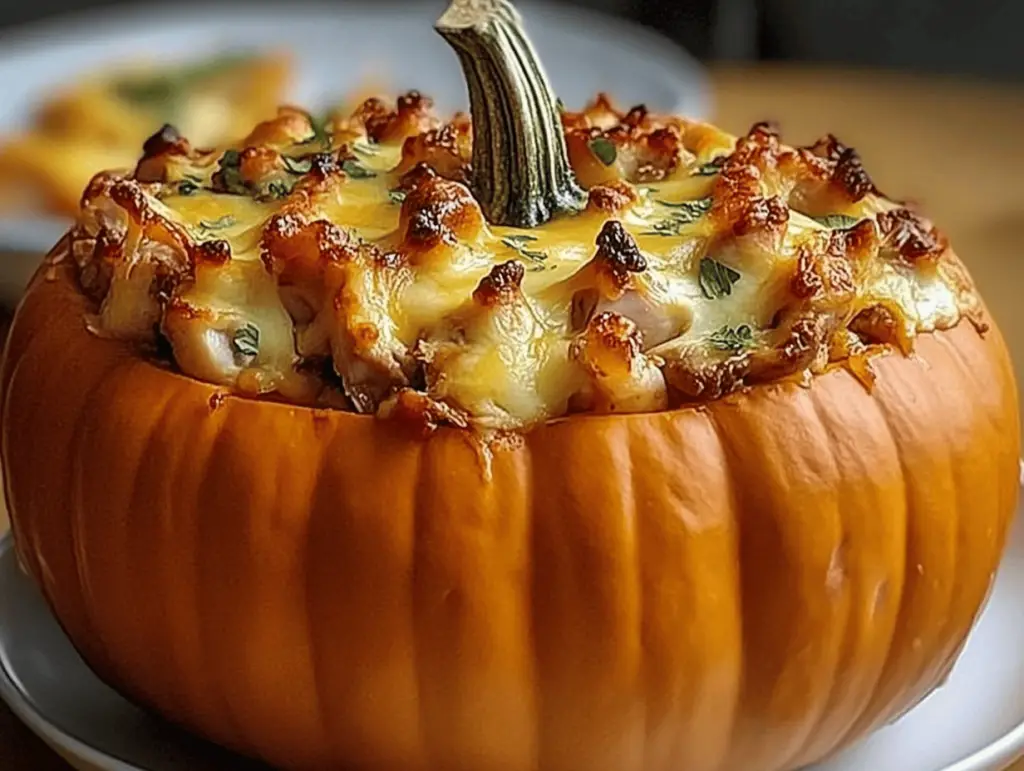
x=748, y=585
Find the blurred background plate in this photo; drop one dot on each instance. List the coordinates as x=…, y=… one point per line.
x=336, y=49
x=975, y=722
x=23, y=242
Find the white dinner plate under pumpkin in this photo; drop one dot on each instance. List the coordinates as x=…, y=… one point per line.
x=336, y=48
x=975, y=722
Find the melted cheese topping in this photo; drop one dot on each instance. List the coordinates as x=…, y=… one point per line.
x=353, y=267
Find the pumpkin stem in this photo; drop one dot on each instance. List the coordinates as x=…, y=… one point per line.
x=521, y=172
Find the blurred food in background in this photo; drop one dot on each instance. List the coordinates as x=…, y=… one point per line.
x=83, y=93
x=100, y=121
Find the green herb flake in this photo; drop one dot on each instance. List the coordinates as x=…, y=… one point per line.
x=735, y=339
x=837, y=221
x=297, y=166
x=695, y=209
x=604, y=149
x=218, y=224
x=519, y=243
x=709, y=169
x=230, y=173
x=397, y=196
x=682, y=213
x=276, y=190
x=246, y=340
x=716, y=279
x=356, y=170
x=320, y=137
x=519, y=238
x=365, y=148
x=187, y=187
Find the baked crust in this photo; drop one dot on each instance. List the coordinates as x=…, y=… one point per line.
x=348, y=263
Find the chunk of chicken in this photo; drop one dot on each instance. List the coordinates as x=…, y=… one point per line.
x=228, y=326
x=618, y=279
x=496, y=361
x=622, y=377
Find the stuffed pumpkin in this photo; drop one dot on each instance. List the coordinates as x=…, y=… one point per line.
x=529, y=439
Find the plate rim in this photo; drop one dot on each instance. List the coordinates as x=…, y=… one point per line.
x=95, y=24
x=21, y=704
x=999, y=753
x=28, y=36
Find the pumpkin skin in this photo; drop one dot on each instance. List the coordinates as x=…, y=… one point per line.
x=752, y=584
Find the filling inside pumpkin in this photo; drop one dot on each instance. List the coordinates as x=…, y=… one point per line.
x=500, y=270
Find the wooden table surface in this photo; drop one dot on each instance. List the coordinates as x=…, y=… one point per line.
x=957, y=148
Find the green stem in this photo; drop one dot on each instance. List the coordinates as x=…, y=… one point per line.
x=521, y=172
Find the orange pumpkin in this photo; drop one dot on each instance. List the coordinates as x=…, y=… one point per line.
x=752, y=582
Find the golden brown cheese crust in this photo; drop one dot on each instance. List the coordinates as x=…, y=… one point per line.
x=349, y=265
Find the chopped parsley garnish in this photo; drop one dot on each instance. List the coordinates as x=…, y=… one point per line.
x=710, y=168
x=246, y=340
x=276, y=189
x=297, y=165
x=356, y=170
x=187, y=187
x=681, y=214
x=837, y=221
x=716, y=279
x=604, y=149
x=693, y=209
x=365, y=148
x=397, y=196
x=735, y=339
x=218, y=224
x=230, y=174
x=354, y=167
x=321, y=137
x=519, y=244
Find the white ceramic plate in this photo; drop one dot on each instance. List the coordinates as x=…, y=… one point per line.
x=974, y=723
x=337, y=47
